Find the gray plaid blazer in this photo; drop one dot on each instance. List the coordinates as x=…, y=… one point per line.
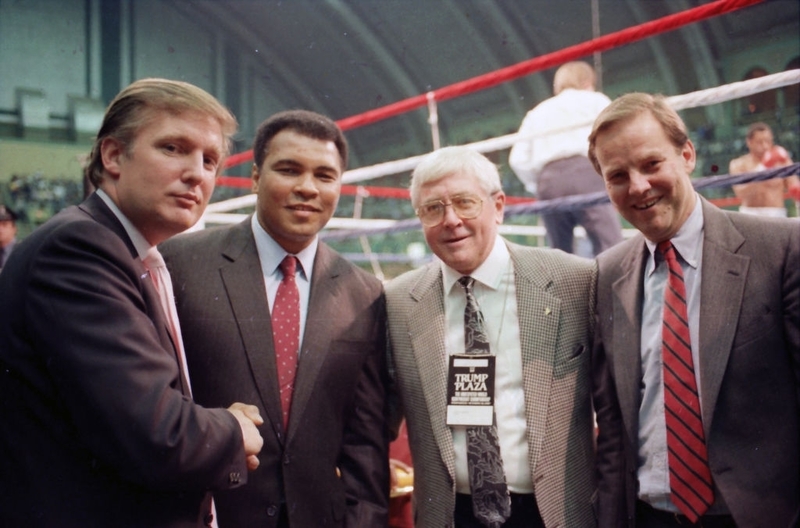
x=555, y=295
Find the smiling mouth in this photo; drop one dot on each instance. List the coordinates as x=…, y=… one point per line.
x=646, y=205
x=455, y=239
x=303, y=208
x=188, y=197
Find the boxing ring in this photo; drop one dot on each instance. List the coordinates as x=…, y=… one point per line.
x=354, y=181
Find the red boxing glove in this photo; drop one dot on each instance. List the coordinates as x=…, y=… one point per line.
x=794, y=192
x=775, y=157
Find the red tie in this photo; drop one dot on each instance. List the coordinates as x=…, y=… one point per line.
x=286, y=332
x=689, y=475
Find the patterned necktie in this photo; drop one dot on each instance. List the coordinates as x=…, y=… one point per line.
x=154, y=263
x=689, y=475
x=491, y=503
x=286, y=332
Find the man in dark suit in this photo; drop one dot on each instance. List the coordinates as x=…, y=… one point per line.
x=98, y=426
x=325, y=458
x=535, y=305
x=722, y=447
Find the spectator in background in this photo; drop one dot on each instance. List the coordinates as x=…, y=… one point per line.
x=553, y=164
x=765, y=198
x=759, y=103
x=8, y=233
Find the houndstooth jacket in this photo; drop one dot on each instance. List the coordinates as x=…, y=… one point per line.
x=554, y=293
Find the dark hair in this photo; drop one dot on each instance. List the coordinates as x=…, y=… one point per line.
x=757, y=127
x=303, y=122
x=631, y=105
x=142, y=100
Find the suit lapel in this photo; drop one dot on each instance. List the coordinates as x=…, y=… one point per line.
x=244, y=285
x=723, y=279
x=626, y=345
x=427, y=330
x=100, y=212
x=538, y=313
x=320, y=322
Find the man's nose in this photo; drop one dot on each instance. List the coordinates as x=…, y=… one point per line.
x=639, y=182
x=450, y=216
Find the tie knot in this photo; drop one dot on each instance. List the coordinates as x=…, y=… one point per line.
x=288, y=266
x=667, y=250
x=466, y=282
x=153, y=259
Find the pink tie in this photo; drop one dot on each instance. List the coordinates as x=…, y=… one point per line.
x=689, y=475
x=154, y=263
x=286, y=332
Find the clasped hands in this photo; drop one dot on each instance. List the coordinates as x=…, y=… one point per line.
x=249, y=418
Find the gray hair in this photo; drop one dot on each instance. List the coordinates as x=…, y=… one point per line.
x=459, y=160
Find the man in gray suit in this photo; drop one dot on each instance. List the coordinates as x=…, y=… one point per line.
x=722, y=447
x=536, y=325
x=325, y=455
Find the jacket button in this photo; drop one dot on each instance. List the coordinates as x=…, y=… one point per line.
x=208, y=519
x=272, y=511
x=285, y=459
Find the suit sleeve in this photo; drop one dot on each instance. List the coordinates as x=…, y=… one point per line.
x=364, y=459
x=87, y=310
x=791, y=303
x=609, y=458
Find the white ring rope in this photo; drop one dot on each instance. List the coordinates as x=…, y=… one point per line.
x=696, y=99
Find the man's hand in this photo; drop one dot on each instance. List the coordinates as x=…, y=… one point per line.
x=249, y=417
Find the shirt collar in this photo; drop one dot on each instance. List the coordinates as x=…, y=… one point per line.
x=688, y=241
x=271, y=253
x=489, y=273
x=137, y=238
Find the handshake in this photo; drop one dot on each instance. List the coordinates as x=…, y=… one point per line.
x=249, y=418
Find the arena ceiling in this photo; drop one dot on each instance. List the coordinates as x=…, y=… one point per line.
x=345, y=57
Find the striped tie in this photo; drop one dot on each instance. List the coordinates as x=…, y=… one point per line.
x=689, y=475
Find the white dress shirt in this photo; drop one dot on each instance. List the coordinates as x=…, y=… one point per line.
x=270, y=254
x=557, y=128
x=653, y=471
x=495, y=292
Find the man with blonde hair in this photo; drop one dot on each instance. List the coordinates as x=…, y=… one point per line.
x=698, y=339
x=550, y=158
x=99, y=427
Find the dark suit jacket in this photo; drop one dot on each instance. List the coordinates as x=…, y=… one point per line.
x=336, y=423
x=96, y=430
x=555, y=293
x=749, y=364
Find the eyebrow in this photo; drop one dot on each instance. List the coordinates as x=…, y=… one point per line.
x=294, y=163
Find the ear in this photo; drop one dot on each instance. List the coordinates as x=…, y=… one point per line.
x=499, y=206
x=112, y=152
x=689, y=156
x=255, y=175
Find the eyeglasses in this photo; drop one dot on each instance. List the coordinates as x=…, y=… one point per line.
x=466, y=206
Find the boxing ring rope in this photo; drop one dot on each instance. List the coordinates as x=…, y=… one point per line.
x=543, y=62
x=348, y=228
x=570, y=203
x=699, y=98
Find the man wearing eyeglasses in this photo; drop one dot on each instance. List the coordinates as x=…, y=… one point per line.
x=490, y=351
